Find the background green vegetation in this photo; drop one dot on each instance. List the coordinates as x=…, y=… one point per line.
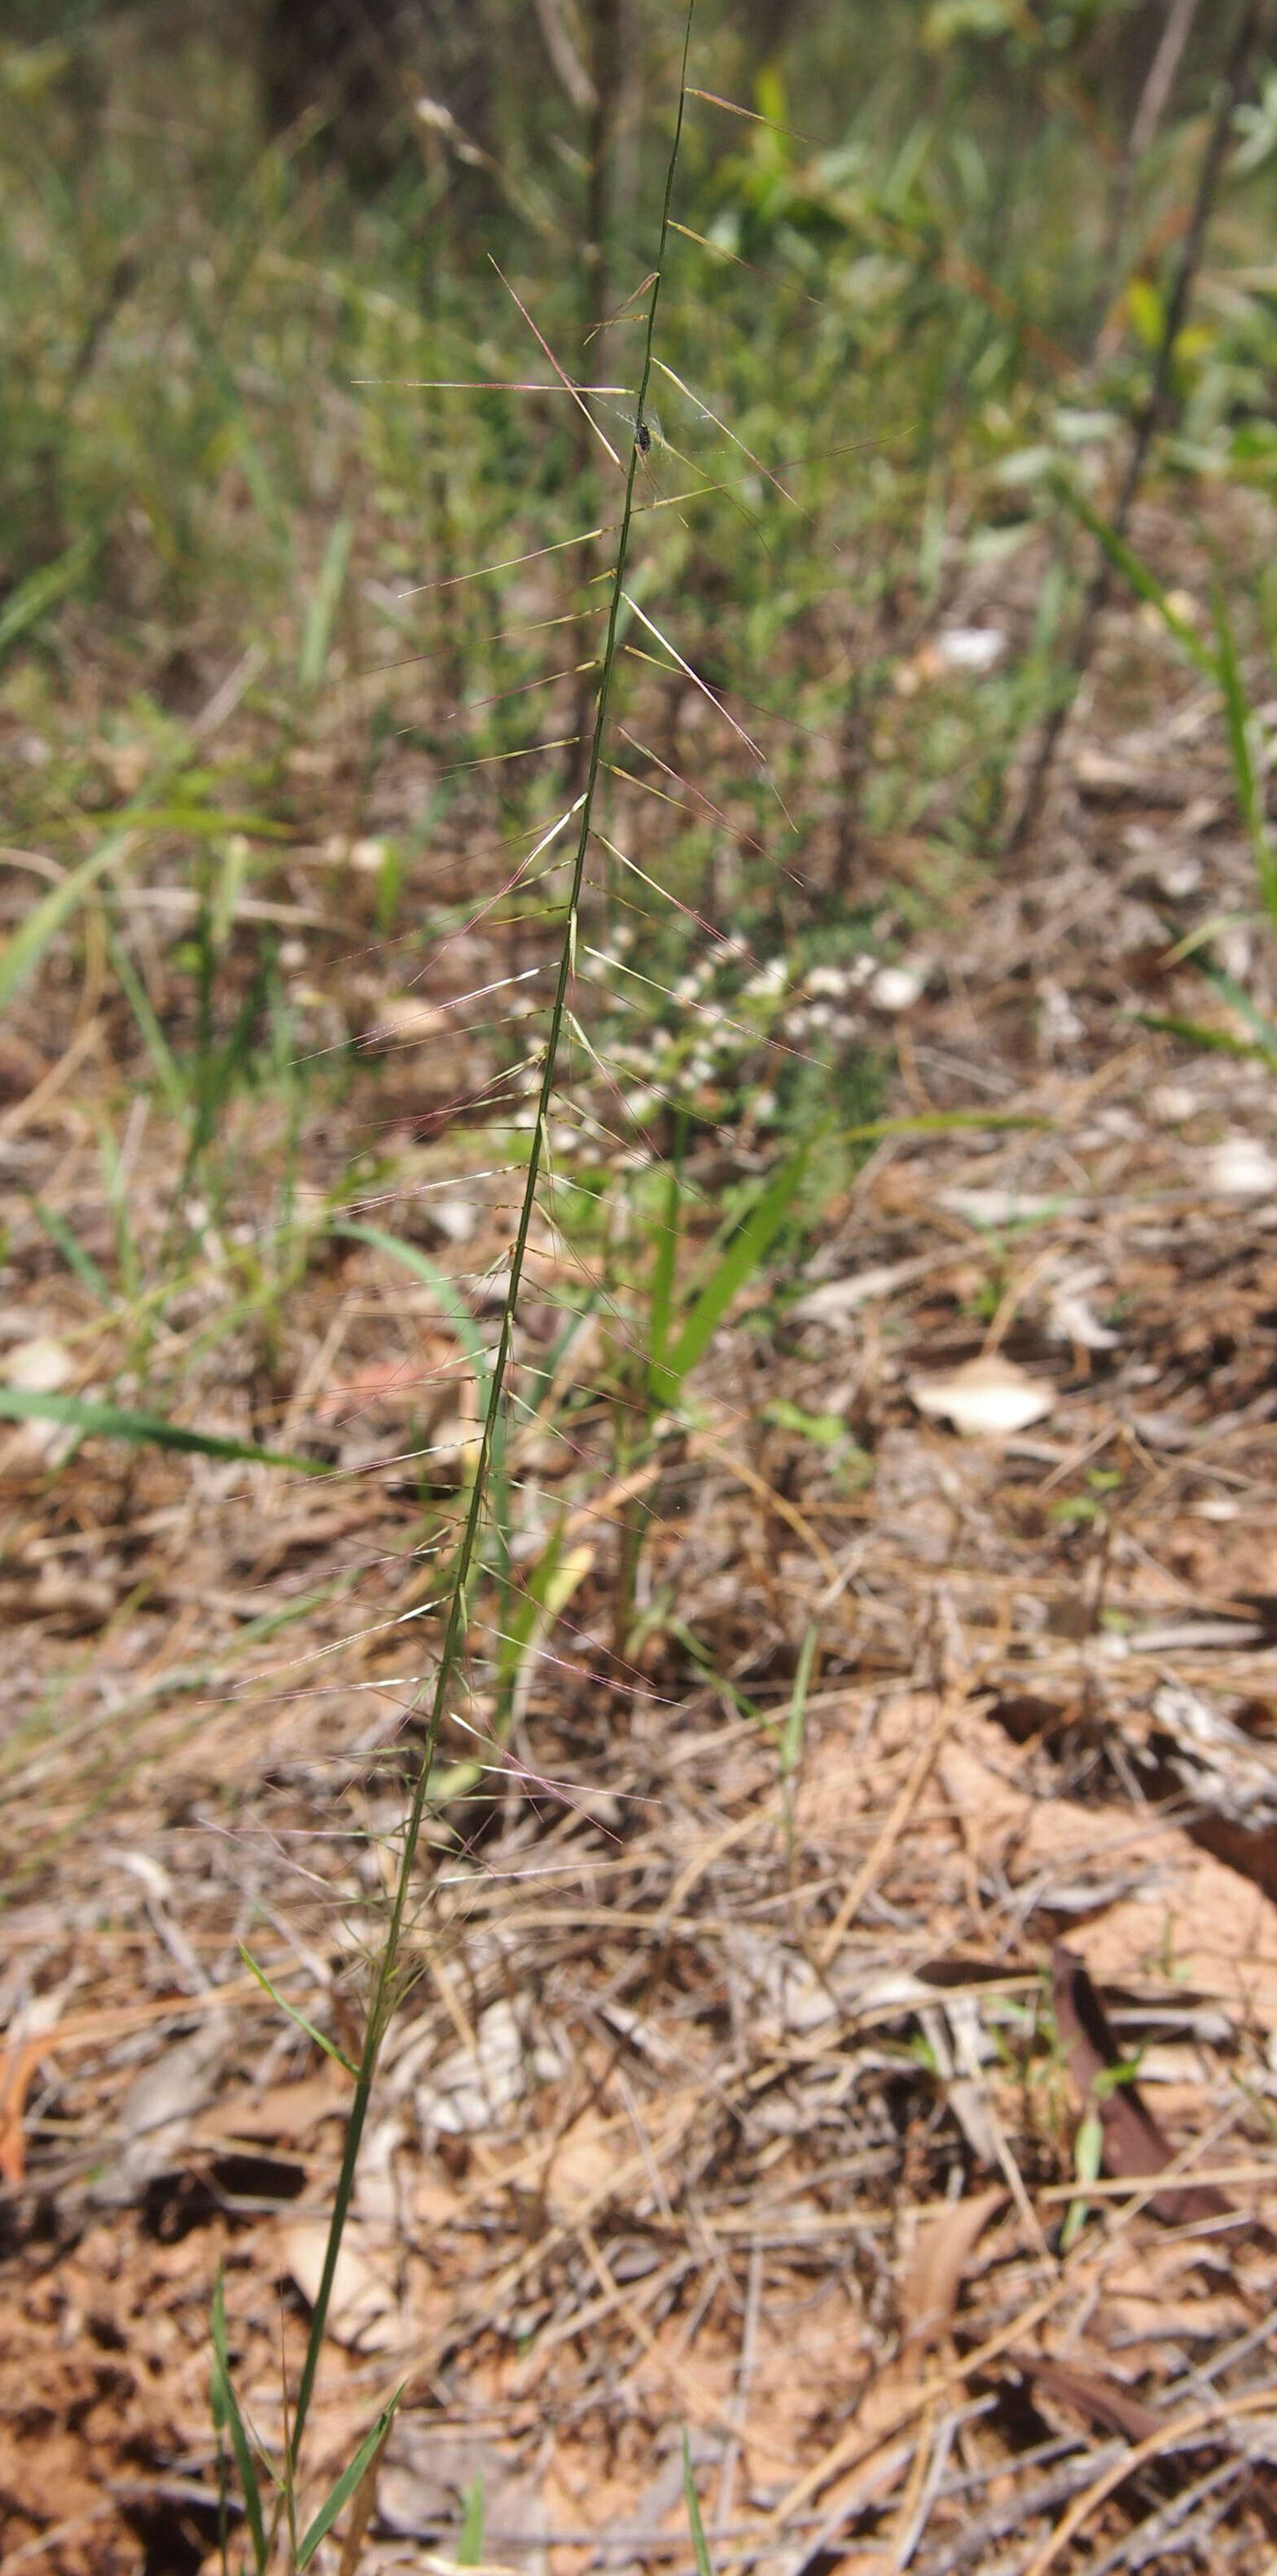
x=302, y=594
x=929, y=279
x=920, y=283
x=305, y=561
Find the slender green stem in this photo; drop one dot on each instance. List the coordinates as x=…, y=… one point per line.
x=382, y=1999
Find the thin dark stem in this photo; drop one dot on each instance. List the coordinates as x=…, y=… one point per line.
x=605, y=85
x=1154, y=100
x=1232, y=88
x=382, y=2000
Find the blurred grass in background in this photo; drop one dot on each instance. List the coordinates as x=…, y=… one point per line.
x=305, y=558
x=299, y=601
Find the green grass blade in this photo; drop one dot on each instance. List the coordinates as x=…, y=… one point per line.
x=791, y=1742
x=700, y=2545
x=1212, y=1041
x=453, y=1308
x=346, y=2483
x=22, y=953
x=42, y=590
x=941, y=1122
x=1240, y=721
x=329, y=2046
x=663, y=1272
x=157, y=1045
x=742, y=1257
x=226, y=2412
x=1238, y=1000
x=1143, y=582
x=527, y=1625
x=523, y=1620
x=317, y=634
x=210, y=822
x=452, y=1304
x=112, y=1422
x=1088, y=2158
x=744, y=1706
x=470, y=2545
x=76, y=1258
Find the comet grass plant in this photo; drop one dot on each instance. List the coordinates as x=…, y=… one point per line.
x=271, y=2488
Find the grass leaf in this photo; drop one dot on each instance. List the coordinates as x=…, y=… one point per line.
x=1238, y=999
x=1240, y=720
x=346, y=2483
x=455, y=1311
x=157, y=1045
x=700, y=2545
x=452, y=1304
x=1213, y=1041
x=73, y=1253
x=791, y=1742
x=662, y=1305
x=112, y=1422
x=226, y=2412
x=321, y=615
x=329, y=2046
x=22, y=953
x=743, y=1255
x=42, y=590
x=1143, y=582
x=470, y=2545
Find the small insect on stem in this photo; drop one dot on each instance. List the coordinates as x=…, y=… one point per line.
x=643, y=438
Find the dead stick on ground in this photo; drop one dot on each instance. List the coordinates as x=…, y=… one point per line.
x=703, y=1445
x=702, y=2408
x=1174, y=2436
x=1251, y=25
x=855, y=2445
x=884, y=1842
x=24, y=1111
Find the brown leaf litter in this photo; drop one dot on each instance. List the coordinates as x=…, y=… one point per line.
x=731, y=2090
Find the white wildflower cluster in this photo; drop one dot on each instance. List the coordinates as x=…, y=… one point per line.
x=703, y=1048
x=770, y=981
x=698, y=1041
x=885, y=988
x=823, y=987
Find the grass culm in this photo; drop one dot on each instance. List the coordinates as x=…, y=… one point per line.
x=264, y=2519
